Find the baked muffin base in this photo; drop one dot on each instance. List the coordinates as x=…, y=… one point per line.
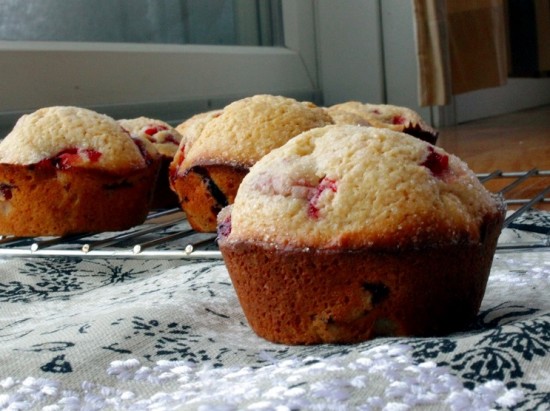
x=44, y=201
x=203, y=190
x=424, y=133
x=163, y=196
x=308, y=296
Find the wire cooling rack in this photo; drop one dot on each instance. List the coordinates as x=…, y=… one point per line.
x=167, y=235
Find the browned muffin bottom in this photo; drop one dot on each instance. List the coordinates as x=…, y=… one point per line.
x=41, y=200
x=163, y=196
x=207, y=189
x=422, y=132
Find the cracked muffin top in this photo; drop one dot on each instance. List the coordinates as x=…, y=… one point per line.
x=354, y=186
x=249, y=128
x=71, y=137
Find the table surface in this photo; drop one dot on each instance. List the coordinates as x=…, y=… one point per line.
x=515, y=142
x=511, y=142
x=99, y=333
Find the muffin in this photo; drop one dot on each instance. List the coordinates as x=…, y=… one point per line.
x=166, y=140
x=395, y=118
x=229, y=144
x=190, y=129
x=347, y=233
x=67, y=170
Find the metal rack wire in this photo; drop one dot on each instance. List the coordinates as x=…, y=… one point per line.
x=167, y=234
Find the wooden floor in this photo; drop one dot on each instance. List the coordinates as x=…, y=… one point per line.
x=510, y=143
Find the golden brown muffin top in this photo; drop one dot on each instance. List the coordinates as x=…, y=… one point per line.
x=190, y=130
x=344, y=186
x=249, y=128
x=71, y=136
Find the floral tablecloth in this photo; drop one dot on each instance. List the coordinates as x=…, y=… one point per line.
x=164, y=334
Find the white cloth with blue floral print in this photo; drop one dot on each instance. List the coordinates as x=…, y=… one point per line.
x=165, y=334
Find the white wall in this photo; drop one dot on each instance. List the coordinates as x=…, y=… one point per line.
x=367, y=52
x=349, y=42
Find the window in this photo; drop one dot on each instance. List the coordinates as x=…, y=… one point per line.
x=234, y=22
x=167, y=81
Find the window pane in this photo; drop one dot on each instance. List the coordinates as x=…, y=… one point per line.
x=225, y=22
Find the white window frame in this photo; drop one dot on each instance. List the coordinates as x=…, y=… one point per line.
x=171, y=81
